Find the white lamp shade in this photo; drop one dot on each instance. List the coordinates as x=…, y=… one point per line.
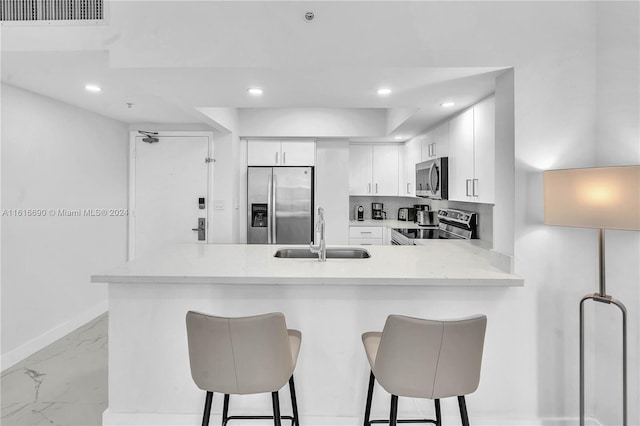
x=599, y=197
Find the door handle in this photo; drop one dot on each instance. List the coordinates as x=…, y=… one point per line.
x=202, y=225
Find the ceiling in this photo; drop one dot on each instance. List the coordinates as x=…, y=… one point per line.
x=157, y=61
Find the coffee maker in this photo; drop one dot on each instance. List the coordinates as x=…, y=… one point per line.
x=360, y=213
x=376, y=211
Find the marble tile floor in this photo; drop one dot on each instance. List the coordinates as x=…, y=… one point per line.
x=64, y=384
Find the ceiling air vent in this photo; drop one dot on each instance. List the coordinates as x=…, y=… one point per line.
x=51, y=10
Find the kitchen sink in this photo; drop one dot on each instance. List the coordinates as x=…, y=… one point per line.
x=332, y=253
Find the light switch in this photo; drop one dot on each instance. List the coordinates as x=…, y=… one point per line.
x=218, y=204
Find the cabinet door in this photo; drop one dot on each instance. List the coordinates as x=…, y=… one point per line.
x=461, y=156
x=298, y=153
x=412, y=155
x=426, y=147
x=385, y=169
x=441, y=140
x=360, y=169
x=263, y=152
x=484, y=151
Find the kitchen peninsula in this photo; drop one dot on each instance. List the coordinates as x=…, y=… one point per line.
x=332, y=303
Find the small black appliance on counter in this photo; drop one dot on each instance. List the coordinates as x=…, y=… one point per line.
x=376, y=211
x=360, y=213
x=407, y=214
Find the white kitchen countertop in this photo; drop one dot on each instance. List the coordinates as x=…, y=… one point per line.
x=432, y=263
x=389, y=223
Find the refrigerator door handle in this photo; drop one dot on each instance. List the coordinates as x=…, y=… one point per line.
x=269, y=207
x=273, y=216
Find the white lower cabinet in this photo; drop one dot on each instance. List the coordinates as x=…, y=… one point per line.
x=366, y=235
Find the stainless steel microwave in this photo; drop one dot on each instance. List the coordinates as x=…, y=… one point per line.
x=432, y=178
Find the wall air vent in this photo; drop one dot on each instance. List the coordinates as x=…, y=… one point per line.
x=51, y=10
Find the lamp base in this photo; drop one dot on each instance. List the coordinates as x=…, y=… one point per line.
x=603, y=298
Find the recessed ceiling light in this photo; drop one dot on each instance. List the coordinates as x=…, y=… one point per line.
x=93, y=88
x=255, y=91
x=398, y=138
x=385, y=91
x=447, y=104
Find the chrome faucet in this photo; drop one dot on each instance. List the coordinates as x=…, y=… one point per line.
x=320, y=248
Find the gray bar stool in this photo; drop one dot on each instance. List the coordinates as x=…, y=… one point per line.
x=243, y=356
x=421, y=358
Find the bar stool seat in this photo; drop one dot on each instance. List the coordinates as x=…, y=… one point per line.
x=421, y=358
x=241, y=356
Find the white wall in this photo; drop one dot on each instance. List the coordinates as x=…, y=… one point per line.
x=56, y=156
x=312, y=122
x=229, y=170
x=332, y=190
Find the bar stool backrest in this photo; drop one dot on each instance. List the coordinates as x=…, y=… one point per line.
x=239, y=355
x=428, y=358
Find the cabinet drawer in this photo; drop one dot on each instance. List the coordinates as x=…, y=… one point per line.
x=365, y=232
x=366, y=241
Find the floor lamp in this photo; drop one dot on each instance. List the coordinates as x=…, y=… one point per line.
x=601, y=198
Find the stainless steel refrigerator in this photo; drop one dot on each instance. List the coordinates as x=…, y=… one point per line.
x=279, y=205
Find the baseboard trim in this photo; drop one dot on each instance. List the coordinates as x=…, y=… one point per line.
x=27, y=349
x=178, y=419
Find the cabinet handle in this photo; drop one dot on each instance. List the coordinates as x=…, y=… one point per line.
x=408, y=188
x=376, y=188
x=365, y=232
x=284, y=158
x=433, y=150
x=277, y=153
x=467, y=183
x=474, y=187
x=369, y=188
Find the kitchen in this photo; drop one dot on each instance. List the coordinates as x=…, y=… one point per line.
x=556, y=92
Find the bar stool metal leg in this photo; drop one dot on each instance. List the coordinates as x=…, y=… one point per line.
x=438, y=413
x=367, y=411
x=463, y=411
x=393, y=414
x=207, y=409
x=225, y=410
x=294, y=402
x=276, y=408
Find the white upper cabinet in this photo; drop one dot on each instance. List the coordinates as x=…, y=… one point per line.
x=360, y=169
x=436, y=143
x=472, y=154
x=461, y=156
x=385, y=169
x=373, y=169
x=412, y=156
x=484, y=172
x=268, y=152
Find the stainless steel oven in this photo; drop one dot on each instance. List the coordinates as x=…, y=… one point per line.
x=432, y=178
x=453, y=224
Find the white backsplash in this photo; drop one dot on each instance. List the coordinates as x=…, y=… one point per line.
x=392, y=204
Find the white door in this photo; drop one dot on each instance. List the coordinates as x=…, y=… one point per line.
x=170, y=192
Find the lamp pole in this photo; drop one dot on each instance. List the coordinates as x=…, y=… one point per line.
x=602, y=297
